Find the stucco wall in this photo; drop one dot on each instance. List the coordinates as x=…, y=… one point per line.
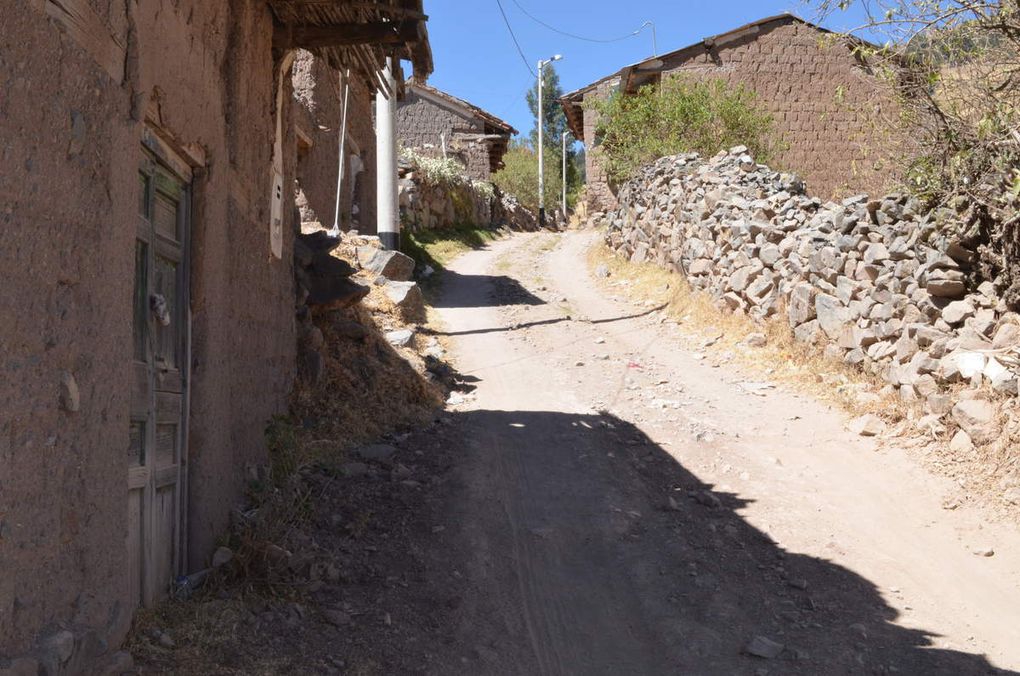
x=318, y=113
x=833, y=115
x=72, y=145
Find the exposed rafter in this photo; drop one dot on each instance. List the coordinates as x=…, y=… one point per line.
x=357, y=34
x=311, y=36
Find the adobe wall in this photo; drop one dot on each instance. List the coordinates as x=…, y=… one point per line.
x=421, y=123
x=834, y=115
x=70, y=194
x=318, y=113
x=598, y=195
x=477, y=156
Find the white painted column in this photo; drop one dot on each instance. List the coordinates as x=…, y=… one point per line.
x=387, y=213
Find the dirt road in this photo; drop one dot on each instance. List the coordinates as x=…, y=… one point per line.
x=624, y=507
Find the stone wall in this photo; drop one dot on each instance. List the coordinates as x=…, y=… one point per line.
x=318, y=112
x=203, y=73
x=878, y=283
x=426, y=206
x=832, y=113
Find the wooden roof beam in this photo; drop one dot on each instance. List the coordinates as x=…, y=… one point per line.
x=311, y=36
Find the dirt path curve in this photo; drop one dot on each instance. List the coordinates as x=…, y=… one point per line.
x=624, y=507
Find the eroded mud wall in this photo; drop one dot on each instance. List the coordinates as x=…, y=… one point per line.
x=72, y=148
x=318, y=96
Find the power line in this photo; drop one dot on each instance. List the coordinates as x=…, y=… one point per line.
x=572, y=35
x=520, y=51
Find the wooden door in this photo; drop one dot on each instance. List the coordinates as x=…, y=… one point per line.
x=158, y=402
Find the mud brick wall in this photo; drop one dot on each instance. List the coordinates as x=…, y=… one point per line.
x=318, y=110
x=598, y=194
x=421, y=124
x=832, y=113
x=72, y=144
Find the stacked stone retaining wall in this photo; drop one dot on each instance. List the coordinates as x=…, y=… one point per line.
x=880, y=283
x=425, y=205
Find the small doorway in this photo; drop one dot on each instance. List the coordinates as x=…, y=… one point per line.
x=161, y=318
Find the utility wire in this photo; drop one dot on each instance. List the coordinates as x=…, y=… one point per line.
x=554, y=29
x=527, y=64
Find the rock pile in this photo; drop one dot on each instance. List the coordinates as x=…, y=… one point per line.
x=877, y=282
x=325, y=288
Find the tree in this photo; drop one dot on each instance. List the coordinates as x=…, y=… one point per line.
x=519, y=177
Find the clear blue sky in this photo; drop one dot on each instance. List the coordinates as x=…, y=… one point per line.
x=476, y=59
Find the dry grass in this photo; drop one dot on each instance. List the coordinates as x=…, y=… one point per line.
x=783, y=358
x=369, y=388
x=982, y=474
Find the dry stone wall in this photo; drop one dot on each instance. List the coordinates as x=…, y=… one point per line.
x=425, y=205
x=874, y=282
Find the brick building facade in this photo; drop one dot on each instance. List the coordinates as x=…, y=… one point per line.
x=829, y=109
x=428, y=119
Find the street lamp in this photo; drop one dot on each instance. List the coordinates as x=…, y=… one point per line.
x=541, y=133
x=647, y=24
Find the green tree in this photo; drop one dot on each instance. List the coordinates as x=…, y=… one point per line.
x=519, y=176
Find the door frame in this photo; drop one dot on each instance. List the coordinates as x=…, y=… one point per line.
x=157, y=151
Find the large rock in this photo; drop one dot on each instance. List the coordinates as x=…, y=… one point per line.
x=327, y=281
x=962, y=365
x=867, y=425
x=1006, y=336
x=947, y=288
x=408, y=297
x=335, y=292
x=802, y=304
x=832, y=315
x=958, y=311
x=978, y=418
x=390, y=264
x=307, y=245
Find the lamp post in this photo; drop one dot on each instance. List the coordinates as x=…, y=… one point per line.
x=541, y=133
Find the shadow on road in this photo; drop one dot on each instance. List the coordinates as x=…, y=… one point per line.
x=530, y=542
x=540, y=322
x=504, y=291
x=591, y=550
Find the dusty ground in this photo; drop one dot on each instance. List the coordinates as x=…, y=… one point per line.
x=602, y=501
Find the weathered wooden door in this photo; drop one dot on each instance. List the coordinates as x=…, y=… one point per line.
x=158, y=398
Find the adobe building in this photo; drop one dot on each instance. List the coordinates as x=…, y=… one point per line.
x=148, y=329
x=830, y=110
x=319, y=100
x=435, y=123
